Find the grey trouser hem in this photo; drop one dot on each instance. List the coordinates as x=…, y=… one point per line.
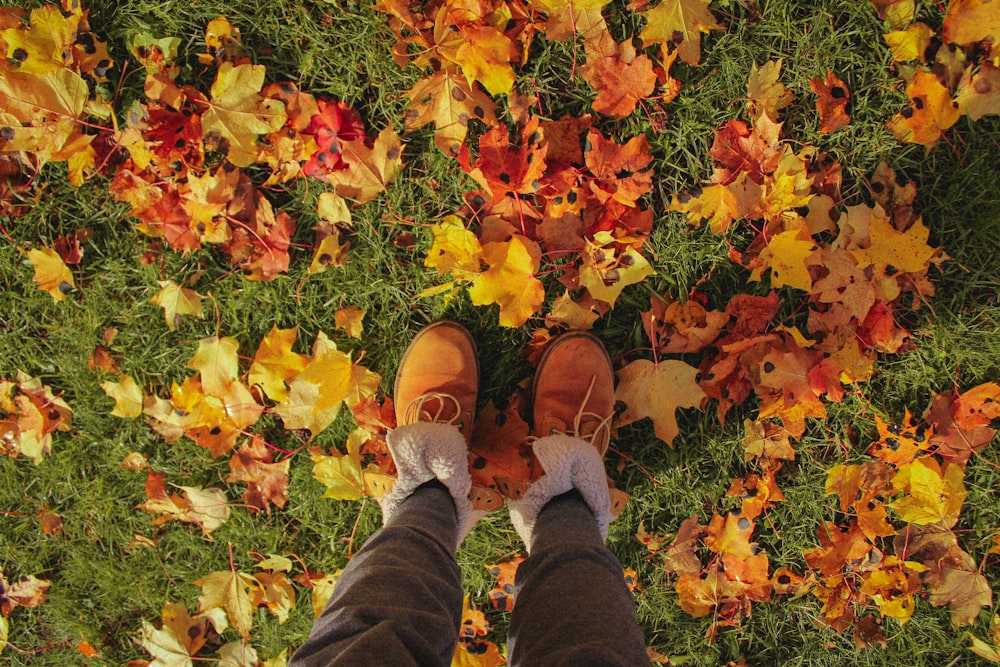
x=399, y=601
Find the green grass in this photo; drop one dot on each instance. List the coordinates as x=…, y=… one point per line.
x=105, y=582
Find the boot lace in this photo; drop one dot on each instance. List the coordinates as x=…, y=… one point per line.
x=420, y=409
x=601, y=432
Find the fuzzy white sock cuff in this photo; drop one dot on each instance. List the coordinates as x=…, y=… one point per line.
x=424, y=451
x=569, y=463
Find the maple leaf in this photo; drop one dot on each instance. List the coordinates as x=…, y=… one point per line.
x=503, y=170
x=890, y=587
x=767, y=95
x=953, y=577
x=231, y=591
x=832, y=103
x=620, y=77
x=267, y=481
x=317, y=393
x=181, y=635
x=332, y=124
x=127, y=395
x=838, y=545
x=681, y=326
x=608, y=269
x=738, y=148
x=572, y=18
x=455, y=250
x=510, y=280
x=907, y=251
x=979, y=94
x=656, y=390
x=472, y=650
x=485, y=55
x=502, y=595
x=896, y=12
x=909, y=44
x=448, y=100
x=322, y=586
x=176, y=301
x=932, y=494
x=274, y=363
x=350, y=319
x=716, y=203
x=238, y=654
x=500, y=457
x=789, y=255
x=29, y=413
x=229, y=407
x=238, y=113
x=28, y=591
x=275, y=592
x=368, y=168
x=619, y=169
x=930, y=113
x=766, y=440
x=681, y=23
x=206, y=508
x=970, y=21
x=341, y=474
x=51, y=273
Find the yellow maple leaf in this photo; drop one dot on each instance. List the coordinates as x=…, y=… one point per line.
x=715, y=202
x=51, y=273
x=274, y=363
x=606, y=283
x=970, y=21
x=127, y=395
x=230, y=591
x=510, y=281
x=43, y=44
x=906, y=251
x=328, y=381
x=686, y=19
x=448, y=100
x=455, y=250
x=788, y=255
x=238, y=113
x=656, y=390
x=909, y=44
x=322, y=589
x=932, y=494
x=767, y=95
x=351, y=320
x=176, y=301
x=485, y=54
x=340, y=474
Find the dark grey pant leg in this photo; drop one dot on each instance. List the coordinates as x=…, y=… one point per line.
x=572, y=605
x=399, y=600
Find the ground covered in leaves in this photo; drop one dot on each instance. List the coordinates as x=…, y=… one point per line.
x=221, y=223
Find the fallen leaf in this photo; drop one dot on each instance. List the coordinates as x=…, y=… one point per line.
x=832, y=103
x=51, y=273
x=681, y=23
x=127, y=395
x=656, y=390
x=176, y=301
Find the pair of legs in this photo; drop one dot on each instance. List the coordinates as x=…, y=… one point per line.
x=398, y=602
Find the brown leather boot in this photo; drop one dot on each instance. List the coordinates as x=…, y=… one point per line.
x=574, y=390
x=438, y=378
